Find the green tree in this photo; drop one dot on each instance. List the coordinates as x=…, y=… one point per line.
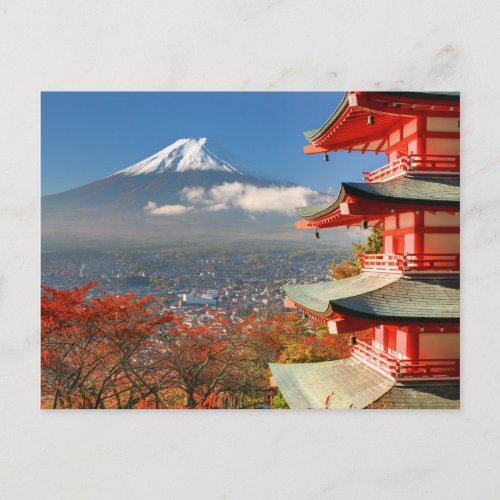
x=279, y=402
x=347, y=268
x=374, y=244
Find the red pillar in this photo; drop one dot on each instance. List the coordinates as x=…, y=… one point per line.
x=421, y=132
x=419, y=235
x=386, y=337
x=412, y=345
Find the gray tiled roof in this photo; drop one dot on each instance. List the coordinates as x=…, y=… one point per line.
x=410, y=189
x=350, y=384
x=406, y=189
x=377, y=297
x=318, y=296
x=419, y=396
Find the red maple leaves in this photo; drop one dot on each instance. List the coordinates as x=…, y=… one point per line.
x=90, y=348
x=107, y=351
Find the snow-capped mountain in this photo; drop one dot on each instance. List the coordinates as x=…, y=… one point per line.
x=183, y=192
x=181, y=156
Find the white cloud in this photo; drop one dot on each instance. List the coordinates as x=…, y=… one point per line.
x=246, y=197
x=253, y=199
x=194, y=194
x=216, y=207
x=153, y=209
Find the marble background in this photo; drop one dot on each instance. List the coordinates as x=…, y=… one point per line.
x=254, y=45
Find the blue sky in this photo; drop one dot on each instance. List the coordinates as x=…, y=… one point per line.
x=89, y=135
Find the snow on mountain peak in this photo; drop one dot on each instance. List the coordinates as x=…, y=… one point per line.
x=181, y=156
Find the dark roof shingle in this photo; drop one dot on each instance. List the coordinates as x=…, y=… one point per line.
x=436, y=396
x=378, y=297
x=406, y=189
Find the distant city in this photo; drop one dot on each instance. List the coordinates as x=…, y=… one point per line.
x=233, y=281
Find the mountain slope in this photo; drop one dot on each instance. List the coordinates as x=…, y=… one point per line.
x=159, y=178
x=183, y=192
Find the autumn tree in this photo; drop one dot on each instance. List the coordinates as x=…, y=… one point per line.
x=268, y=337
x=119, y=352
x=313, y=348
x=108, y=351
x=93, y=349
x=345, y=269
x=224, y=363
x=204, y=360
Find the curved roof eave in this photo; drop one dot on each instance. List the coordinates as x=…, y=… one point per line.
x=440, y=192
x=312, y=212
x=382, y=298
x=318, y=297
x=311, y=135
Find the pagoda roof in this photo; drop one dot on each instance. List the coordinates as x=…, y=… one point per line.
x=419, y=396
x=347, y=126
x=346, y=383
x=405, y=190
x=313, y=134
x=383, y=297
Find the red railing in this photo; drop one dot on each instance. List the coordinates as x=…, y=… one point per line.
x=386, y=172
x=381, y=262
x=379, y=359
x=417, y=368
x=416, y=164
x=410, y=263
x=402, y=368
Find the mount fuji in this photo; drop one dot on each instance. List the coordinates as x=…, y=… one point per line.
x=181, y=194
x=181, y=156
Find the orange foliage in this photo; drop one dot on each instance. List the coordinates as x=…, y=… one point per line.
x=91, y=349
x=313, y=348
x=121, y=352
x=343, y=270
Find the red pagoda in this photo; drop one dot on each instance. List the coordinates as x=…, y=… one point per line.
x=409, y=295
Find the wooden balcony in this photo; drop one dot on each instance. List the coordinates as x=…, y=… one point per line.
x=406, y=369
x=442, y=165
x=411, y=263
